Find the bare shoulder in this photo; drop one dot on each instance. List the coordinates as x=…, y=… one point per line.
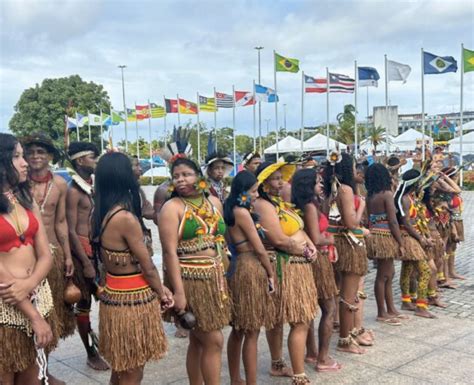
x=345, y=189
x=215, y=201
x=241, y=212
x=171, y=205
x=60, y=182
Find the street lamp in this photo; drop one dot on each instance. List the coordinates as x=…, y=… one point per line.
x=259, y=48
x=124, y=107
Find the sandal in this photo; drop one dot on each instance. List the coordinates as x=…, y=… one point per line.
x=280, y=369
x=390, y=321
x=300, y=379
x=334, y=367
x=349, y=345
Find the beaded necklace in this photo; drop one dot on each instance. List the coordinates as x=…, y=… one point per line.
x=48, y=179
x=19, y=230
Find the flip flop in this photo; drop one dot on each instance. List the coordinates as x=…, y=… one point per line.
x=402, y=316
x=389, y=321
x=334, y=367
x=311, y=360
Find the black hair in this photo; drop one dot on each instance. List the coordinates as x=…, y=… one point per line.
x=362, y=166
x=76, y=147
x=377, y=179
x=344, y=171
x=261, y=191
x=188, y=163
x=254, y=155
x=242, y=182
x=409, y=175
x=115, y=185
x=427, y=199
x=302, y=187
x=9, y=176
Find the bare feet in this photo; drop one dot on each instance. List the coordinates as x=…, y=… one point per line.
x=96, y=362
x=408, y=306
x=424, y=313
x=237, y=382
x=364, y=339
x=392, y=321
x=311, y=360
x=435, y=301
x=349, y=347
x=329, y=365
x=181, y=333
x=280, y=369
x=54, y=381
x=448, y=285
x=457, y=276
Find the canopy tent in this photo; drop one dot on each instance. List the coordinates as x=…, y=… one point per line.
x=318, y=142
x=288, y=144
x=158, y=171
x=467, y=126
x=467, y=144
x=409, y=140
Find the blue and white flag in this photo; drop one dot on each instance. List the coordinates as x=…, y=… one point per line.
x=433, y=64
x=81, y=120
x=71, y=123
x=265, y=94
x=368, y=77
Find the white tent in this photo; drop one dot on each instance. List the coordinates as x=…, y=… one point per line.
x=318, y=143
x=158, y=171
x=409, y=140
x=466, y=126
x=288, y=144
x=467, y=144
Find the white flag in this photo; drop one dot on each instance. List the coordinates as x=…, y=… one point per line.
x=398, y=71
x=94, y=120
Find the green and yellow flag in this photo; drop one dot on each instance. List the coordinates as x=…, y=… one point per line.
x=286, y=64
x=468, y=57
x=131, y=115
x=157, y=111
x=207, y=104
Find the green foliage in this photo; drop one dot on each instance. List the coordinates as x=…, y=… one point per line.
x=375, y=135
x=42, y=107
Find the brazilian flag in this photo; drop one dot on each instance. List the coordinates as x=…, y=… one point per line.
x=285, y=64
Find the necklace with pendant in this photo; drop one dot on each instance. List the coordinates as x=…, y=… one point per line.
x=20, y=232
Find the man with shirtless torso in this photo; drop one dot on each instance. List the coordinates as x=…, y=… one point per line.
x=83, y=157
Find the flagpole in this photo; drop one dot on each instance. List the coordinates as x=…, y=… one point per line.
x=179, y=115
x=367, y=109
x=276, y=103
x=233, y=131
x=150, y=138
x=260, y=148
x=302, y=110
x=387, y=149
x=89, y=126
x=215, y=116
x=254, y=124
x=198, y=130
x=111, y=127
x=327, y=110
x=166, y=131
x=77, y=127
x=422, y=107
x=461, y=114
x=356, y=84
x=102, y=133
x=136, y=129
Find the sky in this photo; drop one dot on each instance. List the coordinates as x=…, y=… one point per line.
x=185, y=47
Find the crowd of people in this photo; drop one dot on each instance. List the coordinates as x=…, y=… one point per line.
x=284, y=240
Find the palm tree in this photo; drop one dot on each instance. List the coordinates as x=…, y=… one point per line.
x=376, y=135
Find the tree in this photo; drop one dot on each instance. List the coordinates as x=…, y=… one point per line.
x=42, y=107
x=244, y=144
x=376, y=135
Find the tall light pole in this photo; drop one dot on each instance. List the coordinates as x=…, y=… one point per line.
x=258, y=48
x=268, y=122
x=124, y=107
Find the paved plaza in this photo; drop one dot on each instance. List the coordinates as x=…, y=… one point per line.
x=420, y=351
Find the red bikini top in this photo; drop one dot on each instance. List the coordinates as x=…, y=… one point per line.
x=356, y=201
x=323, y=223
x=10, y=239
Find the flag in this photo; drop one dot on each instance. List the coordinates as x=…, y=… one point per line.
x=81, y=120
x=71, y=123
x=367, y=77
x=171, y=106
x=434, y=65
x=143, y=111
x=244, y=99
x=187, y=107
x=265, y=94
x=157, y=111
x=106, y=120
x=131, y=115
x=207, y=104
x=468, y=58
x=286, y=64
x=117, y=117
x=94, y=120
x=317, y=85
x=224, y=100
x=341, y=83
x=397, y=71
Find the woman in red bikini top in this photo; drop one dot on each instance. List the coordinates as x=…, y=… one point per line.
x=25, y=260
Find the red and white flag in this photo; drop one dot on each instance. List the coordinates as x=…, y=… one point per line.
x=244, y=99
x=312, y=85
x=143, y=112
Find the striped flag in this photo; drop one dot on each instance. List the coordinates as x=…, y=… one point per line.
x=314, y=84
x=207, y=104
x=337, y=83
x=224, y=100
x=157, y=111
x=143, y=111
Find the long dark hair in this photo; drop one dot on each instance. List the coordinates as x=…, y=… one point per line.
x=9, y=176
x=115, y=185
x=261, y=190
x=302, y=187
x=242, y=182
x=377, y=179
x=344, y=171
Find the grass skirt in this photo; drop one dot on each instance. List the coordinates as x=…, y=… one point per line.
x=381, y=245
x=17, y=348
x=437, y=251
x=324, y=279
x=206, y=291
x=64, y=312
x=352, y=258
x=297, y=291
x=130, y=328
x=413, y=249
x=252, y=305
